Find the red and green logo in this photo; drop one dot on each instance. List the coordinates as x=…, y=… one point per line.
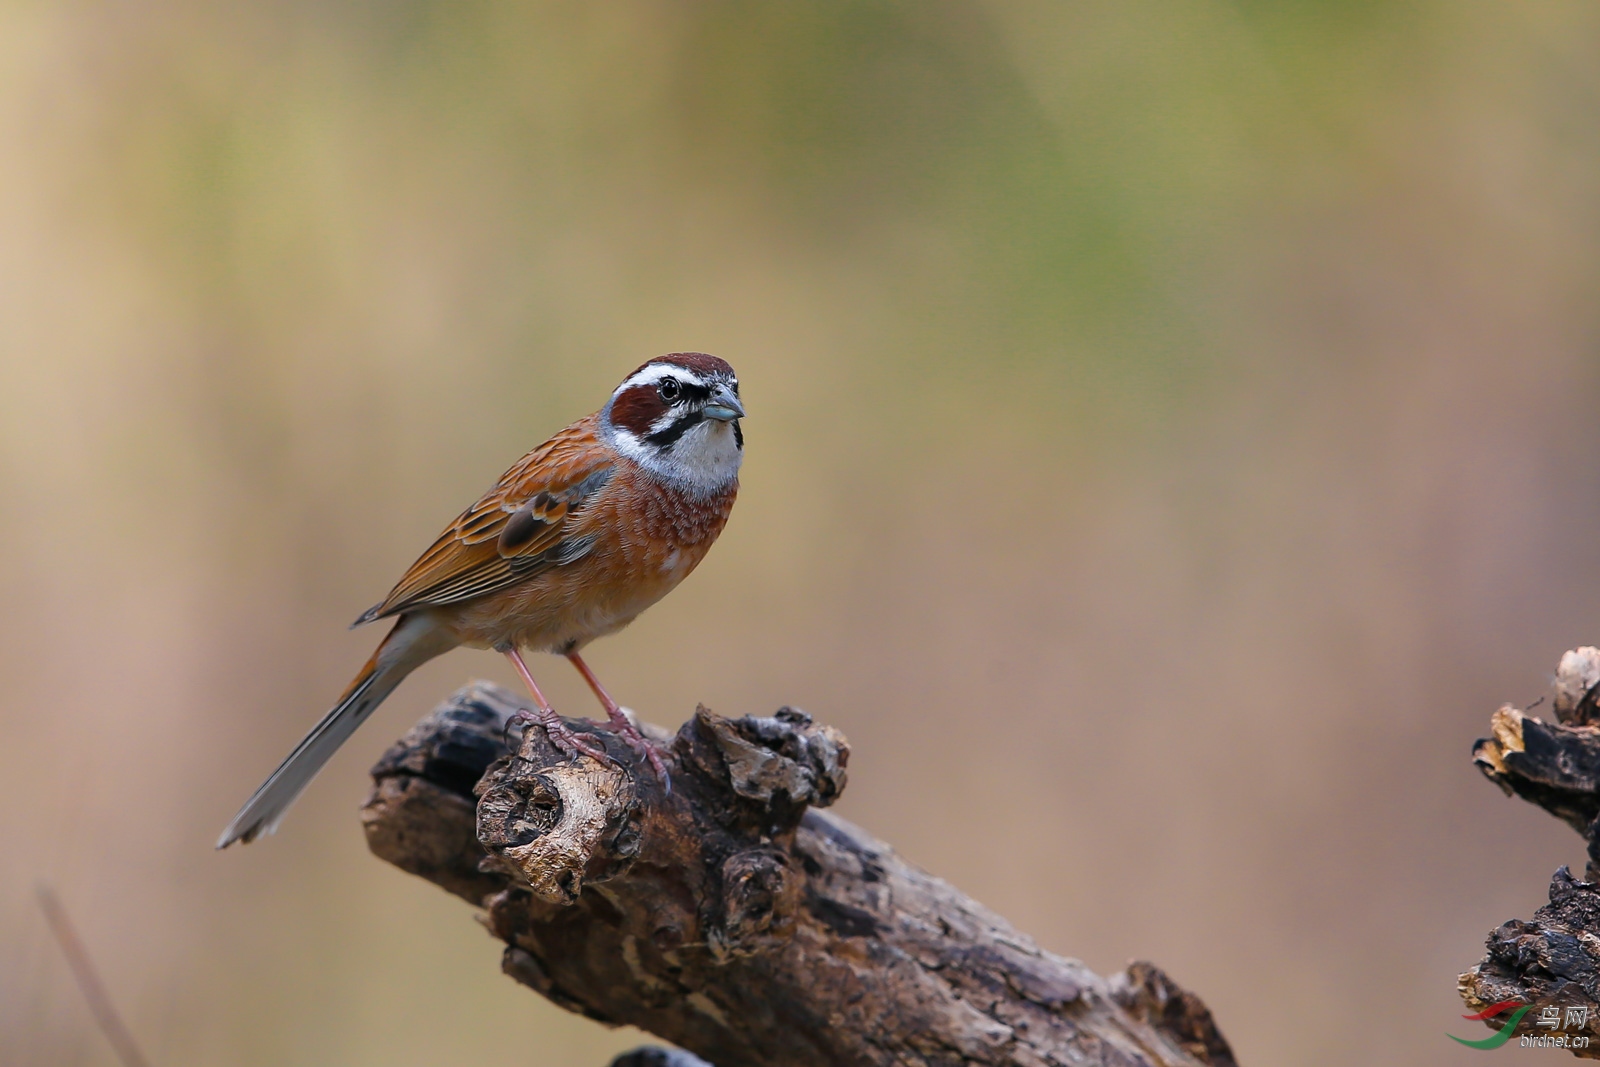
x=1504, y=1034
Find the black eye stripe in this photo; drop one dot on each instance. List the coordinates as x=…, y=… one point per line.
x=679, y=390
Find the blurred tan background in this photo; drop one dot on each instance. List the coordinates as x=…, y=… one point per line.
x=1173, y=431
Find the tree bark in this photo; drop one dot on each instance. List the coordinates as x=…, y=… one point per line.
x=731, y=916
x=1551, y=961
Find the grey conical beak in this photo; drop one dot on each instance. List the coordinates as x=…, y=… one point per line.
x=723, y=405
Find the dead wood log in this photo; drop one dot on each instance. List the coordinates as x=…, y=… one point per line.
x=731, y=916
x=1551, y=961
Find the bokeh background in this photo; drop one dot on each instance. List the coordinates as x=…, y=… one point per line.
x=1173, y=432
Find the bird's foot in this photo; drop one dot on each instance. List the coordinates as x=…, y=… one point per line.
x=623, y=726
x=567, y=742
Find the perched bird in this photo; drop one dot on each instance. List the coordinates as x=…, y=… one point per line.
x=572, y=543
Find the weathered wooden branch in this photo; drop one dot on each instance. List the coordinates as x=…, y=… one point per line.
x=731, y=916
x=1553, y=959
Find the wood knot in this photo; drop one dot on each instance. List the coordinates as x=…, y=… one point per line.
x=556, y=826
x=1149, y=995
x=760, y=898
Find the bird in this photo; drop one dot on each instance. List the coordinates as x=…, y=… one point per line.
x=573, y=542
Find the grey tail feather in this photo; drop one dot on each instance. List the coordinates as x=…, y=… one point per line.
x=407, y=647
x=268, y=804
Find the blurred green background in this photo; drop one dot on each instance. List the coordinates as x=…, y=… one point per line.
x=1173, y=431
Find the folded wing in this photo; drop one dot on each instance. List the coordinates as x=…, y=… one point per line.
x=526, y=524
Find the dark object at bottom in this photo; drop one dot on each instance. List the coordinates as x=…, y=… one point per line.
x=654, y=1056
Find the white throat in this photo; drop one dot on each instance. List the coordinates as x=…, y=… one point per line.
x=703, y=461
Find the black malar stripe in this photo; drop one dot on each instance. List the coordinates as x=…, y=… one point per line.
x=665, y=439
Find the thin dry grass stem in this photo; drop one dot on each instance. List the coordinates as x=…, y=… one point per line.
x=94, y=991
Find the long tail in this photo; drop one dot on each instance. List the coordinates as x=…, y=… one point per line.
x=414, y=640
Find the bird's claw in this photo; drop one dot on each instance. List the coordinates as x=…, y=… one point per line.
x=517, y=720
x=646, y=750
x=654, y=756
x=562, y=736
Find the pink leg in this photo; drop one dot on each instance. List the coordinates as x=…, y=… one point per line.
x=560, y=734
x=619, y=721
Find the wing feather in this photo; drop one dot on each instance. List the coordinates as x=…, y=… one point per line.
x=524, y=525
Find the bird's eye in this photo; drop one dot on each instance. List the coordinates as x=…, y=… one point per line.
x=669, y=389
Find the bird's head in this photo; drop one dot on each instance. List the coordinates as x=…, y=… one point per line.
x=678, y=417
